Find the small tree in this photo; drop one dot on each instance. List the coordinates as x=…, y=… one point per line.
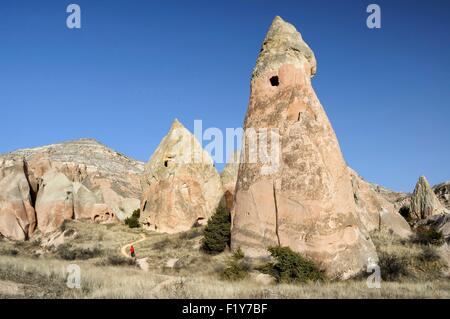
x=133, y=220
x=217, y=231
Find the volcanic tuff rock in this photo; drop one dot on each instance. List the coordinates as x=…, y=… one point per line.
x=375, y=211
x=17, y=215
x=424, y=202
x=229, y=178
x=307, y=203
x=442, y=192
x=76, y=179
x=181, y=186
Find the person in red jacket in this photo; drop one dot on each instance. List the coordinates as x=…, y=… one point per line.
x=132, y=251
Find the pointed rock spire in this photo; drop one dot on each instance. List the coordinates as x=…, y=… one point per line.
x=424, y=202
x=181, y=186
x=284, y=45
x=307, y=201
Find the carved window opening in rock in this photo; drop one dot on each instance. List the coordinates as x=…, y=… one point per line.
x=274, y=81
x=145, y=205
x=166, y=163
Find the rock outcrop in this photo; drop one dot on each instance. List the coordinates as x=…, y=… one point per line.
x=375, y=211
x=229, y=178
x=181, y=186
x=442, y=192
x=440, y=223
x=307, y=201
x=424, y=202
x=77, y=179
x=17, y=215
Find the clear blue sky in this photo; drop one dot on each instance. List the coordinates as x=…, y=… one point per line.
x=136, y=65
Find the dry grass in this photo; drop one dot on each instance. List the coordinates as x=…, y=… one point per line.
x=413, y=257
x=198, y=276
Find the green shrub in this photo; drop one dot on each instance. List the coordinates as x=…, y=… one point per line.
x=234, y=272
x=392, y=267
x=67, y=252
x=291, y=267
x=133, y=220
x=237, y=269
x=217, y=231
x=238, y=254
x=428, y=236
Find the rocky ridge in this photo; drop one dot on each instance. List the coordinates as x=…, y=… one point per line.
x=75, y=179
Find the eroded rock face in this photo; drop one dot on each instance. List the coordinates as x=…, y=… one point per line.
x=307, y=202
x=439, y=223
x=442, y=192
x=181, y=186
x=424, y=202
x=77, y=179
x=229, y=178
x=375, y=211
x=17, y=216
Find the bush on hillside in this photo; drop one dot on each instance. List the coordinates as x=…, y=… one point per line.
x=68, y=252
x=291, y=267
x=116, y=260
x=217, y=231
x=428, y=236
x=392, y=266
x=133, y=220
x=237, y=269
x=429, y=254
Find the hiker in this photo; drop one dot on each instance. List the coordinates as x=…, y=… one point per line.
x=132, y=251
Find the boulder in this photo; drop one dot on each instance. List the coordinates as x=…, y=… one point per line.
x=181, y=187
x=172, y=263
x=374, y=210
x=424, y=202
x=17, y=215
x=262, y=279
x=305, y=201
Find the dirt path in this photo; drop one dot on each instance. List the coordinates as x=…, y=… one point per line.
x=124, y=249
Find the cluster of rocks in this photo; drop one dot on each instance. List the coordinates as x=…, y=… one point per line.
x=42, y=187
x=313, y=202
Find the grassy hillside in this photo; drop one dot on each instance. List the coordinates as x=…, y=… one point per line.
x=30, y=271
